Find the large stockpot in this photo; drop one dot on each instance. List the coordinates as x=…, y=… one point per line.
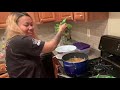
x=77, y=68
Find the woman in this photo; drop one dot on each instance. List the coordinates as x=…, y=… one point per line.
x=24, y=49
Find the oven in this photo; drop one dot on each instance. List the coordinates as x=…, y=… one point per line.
x=107, y=64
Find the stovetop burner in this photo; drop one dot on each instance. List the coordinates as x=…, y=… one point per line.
x=103, y=67
x=99, y=66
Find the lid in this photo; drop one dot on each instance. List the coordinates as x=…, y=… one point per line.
x=81, y=45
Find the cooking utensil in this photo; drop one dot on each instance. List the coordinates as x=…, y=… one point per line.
x=77, y=68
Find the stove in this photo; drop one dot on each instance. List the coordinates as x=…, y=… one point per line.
x=107, y=64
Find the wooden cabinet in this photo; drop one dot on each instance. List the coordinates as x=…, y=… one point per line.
x=54, y=16
x=46, y=17
x=79, y=16
x=3, y=17
x=61, y=15
x=90, y=16
x=34, y=16
x=56, y=66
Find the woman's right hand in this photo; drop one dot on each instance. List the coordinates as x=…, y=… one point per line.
x=62, y=27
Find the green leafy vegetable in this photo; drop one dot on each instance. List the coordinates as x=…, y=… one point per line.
x=63, y=21
x=69, y=26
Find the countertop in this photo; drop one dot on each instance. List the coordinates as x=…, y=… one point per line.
x=93, y=53
x=46, y=36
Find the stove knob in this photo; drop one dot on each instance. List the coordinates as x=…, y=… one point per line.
x=118, y=48
x=100, y=47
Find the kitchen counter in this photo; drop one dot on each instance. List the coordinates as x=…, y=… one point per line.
x=93, y=53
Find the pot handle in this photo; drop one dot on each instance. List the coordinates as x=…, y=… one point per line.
x=72, y=65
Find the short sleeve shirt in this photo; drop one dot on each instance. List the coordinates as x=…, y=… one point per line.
x=23, y=57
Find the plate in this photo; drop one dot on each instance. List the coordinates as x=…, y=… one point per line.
x=66, y=48
x=59, y=56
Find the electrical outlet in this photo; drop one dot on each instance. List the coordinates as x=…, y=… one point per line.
x=88, y=32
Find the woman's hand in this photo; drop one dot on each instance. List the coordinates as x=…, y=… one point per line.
x=62, y=27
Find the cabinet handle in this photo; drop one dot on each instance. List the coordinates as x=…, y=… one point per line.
x=81, y=15
x=68, y=17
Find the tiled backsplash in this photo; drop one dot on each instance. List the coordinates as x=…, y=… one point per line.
x=97, y=29
x=79, y=31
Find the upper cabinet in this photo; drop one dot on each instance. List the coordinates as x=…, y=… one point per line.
x=34, y=16
x=44, y=17
x=90, y=16
x=97, y=16
x=79, y=16
x=61, y=15
x=3, y=17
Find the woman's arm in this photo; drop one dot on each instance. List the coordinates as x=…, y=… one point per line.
x=51, y=45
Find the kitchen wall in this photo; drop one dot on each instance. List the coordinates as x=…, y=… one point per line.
x=114, y=23
x=79, y=31
x=90, y=32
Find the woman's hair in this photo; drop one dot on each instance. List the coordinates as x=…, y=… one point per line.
x=12, y=28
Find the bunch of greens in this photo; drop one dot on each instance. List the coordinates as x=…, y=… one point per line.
x=69, y=26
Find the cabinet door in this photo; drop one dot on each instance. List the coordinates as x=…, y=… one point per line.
x=79, y=16
x=3, y=17
x=34, y=16
x=97, y=16
x=46, y=17
x=68, y=15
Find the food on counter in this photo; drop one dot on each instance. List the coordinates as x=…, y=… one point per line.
x=76, y=60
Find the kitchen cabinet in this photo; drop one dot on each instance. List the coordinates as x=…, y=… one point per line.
x=46, y=17
x=90, y=16
x=3, y=17
x=96, y=16
x=34, y=16
x=56, y=66
x=61, y=15
x=54, y=16
x=79, y=16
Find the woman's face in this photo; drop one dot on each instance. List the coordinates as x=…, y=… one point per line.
x=25, y=23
